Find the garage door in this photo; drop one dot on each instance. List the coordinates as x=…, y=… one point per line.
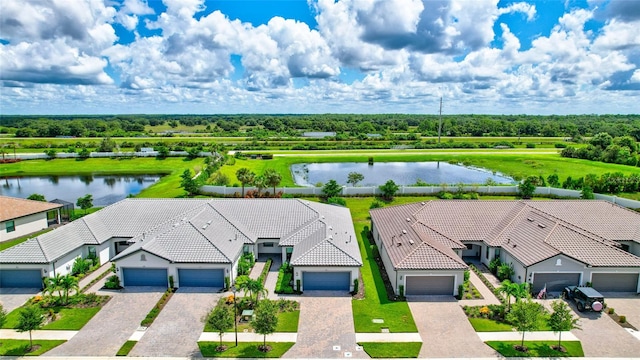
x=326, y=281
x=429, y=285
x=145, y=277
x=555, y=281
x=201, y=277
x=21, y=279
x=615, y=282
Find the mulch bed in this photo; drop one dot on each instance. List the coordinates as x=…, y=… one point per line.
x=625, y=324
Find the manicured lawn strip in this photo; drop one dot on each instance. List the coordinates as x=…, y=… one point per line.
x=72, y=319
x=67, y=318
x=155, y=311
x=288, y=321
x=392, y=350
x=126, y=348
x=375, y=305
x=13, y=242
x=537, y=348
x=489, y=325
x=244, y=349
x=11, y=347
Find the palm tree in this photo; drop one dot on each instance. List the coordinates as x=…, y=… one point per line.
x=68, y=283
x=518, y=291
x=53, y=284
x=272, y=178
x=260, y=183
x=256, y=287
x=245, y=176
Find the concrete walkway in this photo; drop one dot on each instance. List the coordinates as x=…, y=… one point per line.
x=249, y=337
x=487, y=294
x=37, y=334
x=529, y=336
x=388, y=337
x=89, y=278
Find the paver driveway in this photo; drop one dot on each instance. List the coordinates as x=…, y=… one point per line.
x=13, y=298
x=176, y=330
x=445, y=330
x=326, y=320
x=627, y=304
x=602, y=337
x=108, y=330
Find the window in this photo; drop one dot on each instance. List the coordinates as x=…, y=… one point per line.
x=11, y=226
x=246, y=249
x=469, y=246
x=289, y=250
x=497, y=254
x=143, y=257
x=92, y=252
x=269, y=244
x=486, y=253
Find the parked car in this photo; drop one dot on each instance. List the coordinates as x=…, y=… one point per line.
x=586, y=298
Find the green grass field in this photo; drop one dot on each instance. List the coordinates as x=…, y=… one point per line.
x=488, y=325
x=66, y=318
x=20, y=347
x=537, y=349
x=126, y=348
x=392, y=350
x=244, y=349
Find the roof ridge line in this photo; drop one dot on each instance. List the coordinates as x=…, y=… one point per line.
x=209, y=241
x=504, y=228
x=84, y=221
x=434, y=230
x=339, y=248
x=233, y=225
x=456, y=258
x=304, y=226
x=571, y=224
x=169, y=220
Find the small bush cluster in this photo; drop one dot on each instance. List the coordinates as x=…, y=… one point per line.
x=285, y=277
x=488, y=283
x=494, y=312
x=245, y=264
x=153, y=314
x=265, y=271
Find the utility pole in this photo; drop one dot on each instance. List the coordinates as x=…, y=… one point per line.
x=440, y=121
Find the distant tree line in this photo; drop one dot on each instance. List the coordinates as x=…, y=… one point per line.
x=345, y=125
x=603, y=147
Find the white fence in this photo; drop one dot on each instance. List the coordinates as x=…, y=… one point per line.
x=62, y=155
x=419, y=190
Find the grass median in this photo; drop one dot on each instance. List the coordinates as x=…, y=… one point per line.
x=11, y=347
x=392, y=350
x=244, y=349
x=537, y=349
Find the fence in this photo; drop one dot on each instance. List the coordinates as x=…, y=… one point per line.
x=33, y=156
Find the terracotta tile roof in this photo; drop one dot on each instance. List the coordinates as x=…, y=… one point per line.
x=13, y=208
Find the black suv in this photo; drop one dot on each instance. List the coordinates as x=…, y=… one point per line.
x=585, y=298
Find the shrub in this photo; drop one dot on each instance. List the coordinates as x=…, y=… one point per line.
x=560, y=145
x=401, y=290
x=375, y=204
x=375, y=252
x=80, y=266
x=460, y=291
x=171, y=284
x=466, y=275
x=530, y=146
x=337, y=201
x=355, y=285
x=445, y=195
x=493, y=265
x=283, y=284
x=623, y=319
x=505, y=271
x=113, y=282
x=611, y=310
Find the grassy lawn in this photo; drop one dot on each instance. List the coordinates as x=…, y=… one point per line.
x=243, y=350
x=392, y=350
x=396, y=315
x=489, y=325
x=13, y=242
x=168, y=186
x=19, y=347
x=288, y=321
x=126, y=348
x=537, y=348
x=67, y=318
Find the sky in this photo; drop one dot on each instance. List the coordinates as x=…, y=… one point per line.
x=319, y=56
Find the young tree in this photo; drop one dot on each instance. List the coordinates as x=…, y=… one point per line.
x=67, y=284
x=260, y=183
x=527, y=187
x=188, y=183
x=245, y=176
x=389, y=189
x=265, y=321
x=272, y=178
x=37, y=197
x=221, y=319
x=53, y=284
x=85, y=202
x=3, y=316
x=29, y=319
x=553, y=180
x=562, y=320
x=587, y=193
x=524, y=316
x=354, y=178
x=331, y=189
x=511, y=289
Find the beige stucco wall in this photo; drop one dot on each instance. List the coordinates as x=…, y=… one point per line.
x=24, y=225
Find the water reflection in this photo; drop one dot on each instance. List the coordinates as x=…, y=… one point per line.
x=106, y=189
x=402, y=173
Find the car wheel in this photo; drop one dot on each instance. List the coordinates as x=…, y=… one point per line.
x=580, y=306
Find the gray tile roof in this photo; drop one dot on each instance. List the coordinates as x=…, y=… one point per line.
x=204, y=230
x=532, y=231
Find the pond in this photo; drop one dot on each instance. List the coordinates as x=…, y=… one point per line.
x=105, y=189
x=402, y=173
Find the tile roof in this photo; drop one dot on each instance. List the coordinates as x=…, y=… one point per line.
x=532, y=231
x=13, y=208
x=204, y=230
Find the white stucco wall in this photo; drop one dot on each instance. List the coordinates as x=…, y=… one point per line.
x=24, y=225
x=298, y=270
x=64, y=265
x=275, y=249
x=389, y=268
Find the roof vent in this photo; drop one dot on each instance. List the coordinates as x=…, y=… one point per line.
x=422, y=203
x=176, y=224
x=411, y=241
x=184, y=219
x=542, y=226
x=530, y=219
x=209, y=222
x=330, y=227
x=408, y=219
x=399, y=243
x=404, y=231
x=204, y=226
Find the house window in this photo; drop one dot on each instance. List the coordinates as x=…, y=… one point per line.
x=486, y=253
x=143, y=257
x=497, y=253
x=469, y=246
x=246, y=249
x=558, y=262
x=269, y=244
x=289, y=250
x=92, y=252
x=11, y=226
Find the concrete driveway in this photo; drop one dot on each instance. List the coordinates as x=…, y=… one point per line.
x=326, y=327
x=602, y=337
x=176, y=330
x=13, y=298
x=445, y=330
x=108, y=330
x=627, y=304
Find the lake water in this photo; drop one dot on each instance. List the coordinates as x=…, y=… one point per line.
x=402, y=173
x=105, y=189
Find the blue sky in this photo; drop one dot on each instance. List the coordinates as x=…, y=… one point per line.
x=319, y=56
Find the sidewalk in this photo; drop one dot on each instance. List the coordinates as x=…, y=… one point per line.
x=489, y=297
x=529, y=336
x=89, y=278
x=249, y=337
x=388, y=337
x=37, y=334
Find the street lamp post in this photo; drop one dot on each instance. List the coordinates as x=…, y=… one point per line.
x=235, y=313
